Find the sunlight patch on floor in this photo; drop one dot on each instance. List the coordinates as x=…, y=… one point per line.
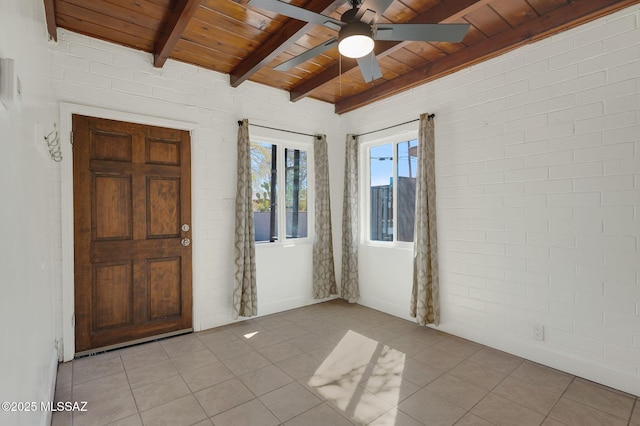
x=359, y=375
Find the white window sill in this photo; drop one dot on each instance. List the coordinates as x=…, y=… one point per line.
x=286, y=243
x=400, y=245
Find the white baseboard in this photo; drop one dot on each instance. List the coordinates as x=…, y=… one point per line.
x=568, y=363
x=265, y=309
x=386, y=307
x=286, y=305
x=50, y=390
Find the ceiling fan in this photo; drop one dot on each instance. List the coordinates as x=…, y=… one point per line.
x=357, y=30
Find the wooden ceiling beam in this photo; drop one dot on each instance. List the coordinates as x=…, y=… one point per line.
x=50, y=15
x=276, y=44
x=176, y=24
x=563, y=18
x=443, y=12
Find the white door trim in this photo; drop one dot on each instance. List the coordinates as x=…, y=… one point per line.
x=66, y=195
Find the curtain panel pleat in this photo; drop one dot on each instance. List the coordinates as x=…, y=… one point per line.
x=425, y=306
x=349, y=289
x=245, y=301
x=324, y=276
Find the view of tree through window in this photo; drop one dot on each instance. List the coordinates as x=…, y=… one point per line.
x=296, y=192
x=389, y=163
x=265, y=176
x=264, y=157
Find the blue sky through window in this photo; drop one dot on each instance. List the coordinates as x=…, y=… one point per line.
x=381, y=162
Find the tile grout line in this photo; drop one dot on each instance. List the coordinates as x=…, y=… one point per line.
x=573, y=378
x=322, y=401
x=345, y=320
x=491, y=391
x=436, y=378
x=255, y=396
x=435, y=345
x=633, y=408
x=325, y=401
x=608, y=389
x=178, y=373
x=191, y=393
x=135, y=401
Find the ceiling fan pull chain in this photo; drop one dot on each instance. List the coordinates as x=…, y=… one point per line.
x=340, y=71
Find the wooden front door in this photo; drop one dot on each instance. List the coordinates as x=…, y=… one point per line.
x=132, y=219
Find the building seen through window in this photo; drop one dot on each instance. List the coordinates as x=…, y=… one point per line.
x=392, y=183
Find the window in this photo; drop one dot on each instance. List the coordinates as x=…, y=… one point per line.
x=392, y=197
x=275, y=166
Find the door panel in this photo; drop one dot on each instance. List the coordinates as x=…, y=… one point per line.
x=111, y=146
x=164, y=288
x=131, y=196
x=111, y=213
x=112, y=295
x=163, y=207
x=163, y=152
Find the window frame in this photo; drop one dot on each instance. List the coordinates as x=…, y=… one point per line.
x=402, y=134
x=283, y=142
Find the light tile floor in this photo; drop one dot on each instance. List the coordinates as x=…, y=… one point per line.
x=330, y=364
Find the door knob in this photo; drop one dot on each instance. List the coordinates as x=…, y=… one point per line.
x=184, y=227
x=185, y=242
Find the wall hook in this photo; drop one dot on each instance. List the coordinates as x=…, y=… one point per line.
x=53, y=143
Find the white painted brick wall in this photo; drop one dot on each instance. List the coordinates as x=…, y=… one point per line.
x=95, y=73
x=29, y=218
x=538, y=177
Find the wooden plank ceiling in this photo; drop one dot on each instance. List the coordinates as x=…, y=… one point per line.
x=247, y=43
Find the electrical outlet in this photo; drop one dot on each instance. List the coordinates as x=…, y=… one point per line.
x=538, y=332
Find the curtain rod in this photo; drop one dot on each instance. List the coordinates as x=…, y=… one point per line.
x=282, y=130
x=430, y=116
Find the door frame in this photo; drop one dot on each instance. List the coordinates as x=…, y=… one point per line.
x=68, y=347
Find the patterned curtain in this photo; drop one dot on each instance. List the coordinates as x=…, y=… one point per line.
x=425, y=305
x=350, y=290
x=245, y=302
x=324, y=276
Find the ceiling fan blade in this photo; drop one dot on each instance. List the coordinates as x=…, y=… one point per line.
x=295, y=12
x=377, y=6
x=369, y=67
x=369, y=17
x=421, y=32
x=303, y=57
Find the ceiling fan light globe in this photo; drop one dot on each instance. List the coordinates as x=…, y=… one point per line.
x=356, y=46
x=355, y=40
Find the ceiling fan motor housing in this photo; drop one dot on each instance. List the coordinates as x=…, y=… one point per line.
x=350, y=16
x=355, y=28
